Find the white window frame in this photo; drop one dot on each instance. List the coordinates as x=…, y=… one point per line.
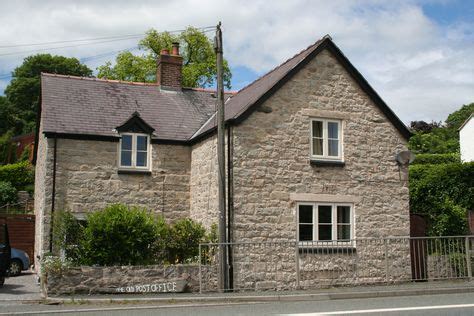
x=134, y=153
x=334, y=223
x=325, y=155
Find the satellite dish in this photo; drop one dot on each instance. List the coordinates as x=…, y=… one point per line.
x=405, y=157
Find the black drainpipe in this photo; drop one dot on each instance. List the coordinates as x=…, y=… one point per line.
x=53, y=195
x=230, y=201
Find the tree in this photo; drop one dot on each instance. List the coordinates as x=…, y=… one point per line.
x=199, y=62
x=23, y=91
x=433, y=138
x=457, y=118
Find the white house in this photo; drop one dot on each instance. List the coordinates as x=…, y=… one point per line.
x=466, y=139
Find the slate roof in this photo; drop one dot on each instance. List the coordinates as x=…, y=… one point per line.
x=88, y=106
x=247, y=99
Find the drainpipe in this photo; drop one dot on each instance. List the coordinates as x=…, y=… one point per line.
x=230, y=201
x=53, y=195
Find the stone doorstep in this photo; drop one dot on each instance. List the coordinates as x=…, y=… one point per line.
x=259, y=297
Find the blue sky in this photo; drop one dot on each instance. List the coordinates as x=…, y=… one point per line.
x=418, y=55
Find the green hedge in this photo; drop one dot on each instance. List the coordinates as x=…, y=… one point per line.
x=123, y=235
x=443, y=193
x=20, y=174
x=426, y=159
x=7, y=193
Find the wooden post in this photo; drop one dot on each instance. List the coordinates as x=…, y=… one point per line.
x=223, y=284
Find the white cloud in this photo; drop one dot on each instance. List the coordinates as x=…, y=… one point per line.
x=422, y=70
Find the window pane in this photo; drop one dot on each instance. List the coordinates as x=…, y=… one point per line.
x=306, y=232
x=142, y=143
x=126, y=158
x=325, y=214
x=317, y=129
x=141, y=159
x=333, y=148
x=333, y=131
x=305, y=214
x=325, y=232
x=343, y=214
x=343, y=232
x=126, y=142
x=317, y=146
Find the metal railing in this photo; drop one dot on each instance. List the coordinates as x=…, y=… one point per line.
x=23, y=207
x=287, y=265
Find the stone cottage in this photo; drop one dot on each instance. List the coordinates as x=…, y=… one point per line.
x=310, y=151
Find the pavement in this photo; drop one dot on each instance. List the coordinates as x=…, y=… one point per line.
x=24, y=290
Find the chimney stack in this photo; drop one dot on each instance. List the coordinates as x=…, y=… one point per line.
x=168, y=74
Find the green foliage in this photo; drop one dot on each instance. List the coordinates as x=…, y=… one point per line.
x=439, y=141
x=443, y=193
x=184, y=239
x=7, y=193
x=456, y=119
x=19, y=174
x=199, y=61
x=426, y=159
x=119, y=235
x=431, y=138
x=5, y=147
x=23, y=91
x=67, y=234
x=54, y=266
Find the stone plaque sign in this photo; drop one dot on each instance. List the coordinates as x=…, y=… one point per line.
x=176, y=286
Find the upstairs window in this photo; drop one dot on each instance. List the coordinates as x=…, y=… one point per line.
x=325, y=222
x=326, y=139
x=134, y=151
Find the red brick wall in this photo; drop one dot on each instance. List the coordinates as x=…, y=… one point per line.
x=169, y=71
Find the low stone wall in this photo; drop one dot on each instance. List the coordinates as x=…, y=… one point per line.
x=125, y=279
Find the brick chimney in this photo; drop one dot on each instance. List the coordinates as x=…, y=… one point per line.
x=168, y=74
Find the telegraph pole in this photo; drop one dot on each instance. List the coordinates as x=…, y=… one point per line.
x=223, y=280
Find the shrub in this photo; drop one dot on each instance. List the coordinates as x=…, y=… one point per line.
x=19, y=174
x=119, y=235
x=184, y=239
x=424, y=159
x=7, y=193
x=67, y=235
x=443, y=193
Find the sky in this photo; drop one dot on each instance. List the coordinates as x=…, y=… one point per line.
x=418, y=55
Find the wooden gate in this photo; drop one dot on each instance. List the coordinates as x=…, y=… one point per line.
x=21, y=228
x=418, y=249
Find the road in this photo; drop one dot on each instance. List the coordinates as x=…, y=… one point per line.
x=446, y=304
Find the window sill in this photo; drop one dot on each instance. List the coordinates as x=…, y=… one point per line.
x=328, y=163
x=327, y=250
x=137, y=171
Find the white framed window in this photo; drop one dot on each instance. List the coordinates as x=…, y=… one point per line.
x=326, y=139
x=325, y=222
x=135, y=151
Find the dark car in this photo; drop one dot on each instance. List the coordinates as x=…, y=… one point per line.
x=5, y=253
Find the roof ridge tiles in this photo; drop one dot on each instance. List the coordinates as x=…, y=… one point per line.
x=98, y=79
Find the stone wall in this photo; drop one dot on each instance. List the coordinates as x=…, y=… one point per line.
x=124, y=279
x=272, y=168
x=272, y=158
x=43, y=190
x=203, y=182
x=87, y=179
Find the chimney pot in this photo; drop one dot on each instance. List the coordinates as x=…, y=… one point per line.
x=175, y=49
x=168, y=74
